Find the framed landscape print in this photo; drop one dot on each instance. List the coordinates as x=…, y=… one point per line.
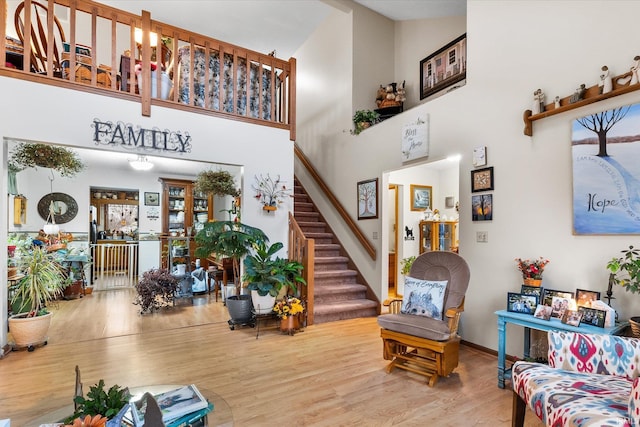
x=368, y=199
x=444, y=68
x=482, y=179
x=482, y=207
x=420, y=197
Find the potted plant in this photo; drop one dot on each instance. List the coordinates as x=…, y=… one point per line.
x=156, y=289
x=220, y=183
x=60, y=159
x=44, y=280
x=269, y=277
x=532, y=270
x=362, y=119
x=99, y=401
x=288, y=310
x=229, y=239
x=625, y=271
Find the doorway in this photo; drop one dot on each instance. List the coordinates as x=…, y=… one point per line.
x=393, y=239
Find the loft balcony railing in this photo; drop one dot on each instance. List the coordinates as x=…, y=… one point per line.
x=85, y=45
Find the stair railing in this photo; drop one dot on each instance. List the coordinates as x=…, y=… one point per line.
x=366, y=244
x=302, y=250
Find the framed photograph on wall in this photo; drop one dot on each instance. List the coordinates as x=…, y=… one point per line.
x=151, y=199
x=368, y=199
x=420, y=197
x=444, y=68
x=482, y=179
x=482, y=207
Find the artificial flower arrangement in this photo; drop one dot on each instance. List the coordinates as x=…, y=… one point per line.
x=270, y=192
x=532, y=269
x=288, y=307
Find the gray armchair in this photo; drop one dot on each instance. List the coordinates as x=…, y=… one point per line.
x=425, y=344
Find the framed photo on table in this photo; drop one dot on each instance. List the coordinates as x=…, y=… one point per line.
x=593, y=316
x=420, y=197
x=520, y=303
x=368, y=199
x=585, y=298
x=482, y=179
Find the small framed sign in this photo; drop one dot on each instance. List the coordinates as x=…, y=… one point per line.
x=151, y=199
x=415, y=140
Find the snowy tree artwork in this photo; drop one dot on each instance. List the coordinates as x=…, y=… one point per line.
x=606, y=172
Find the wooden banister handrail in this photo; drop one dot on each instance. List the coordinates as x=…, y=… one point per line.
x=256, y=104
x=302, y=250
x=371, y=250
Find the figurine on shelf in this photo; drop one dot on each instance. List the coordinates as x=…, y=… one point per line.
x=556, y=102
x=635, y=69
x=538, y=106
x=606, y=83
x=578, y=94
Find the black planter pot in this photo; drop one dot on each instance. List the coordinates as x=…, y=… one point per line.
x=239, y=307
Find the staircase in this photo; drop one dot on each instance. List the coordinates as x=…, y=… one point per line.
x=337, y=293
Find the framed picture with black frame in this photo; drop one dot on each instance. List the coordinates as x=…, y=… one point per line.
x=482, y=179
x=584, y=298
x=444, y=68
x=548, y=294
x=593, y=316
x=151, y=199
x=532, y=290
x=521, y=303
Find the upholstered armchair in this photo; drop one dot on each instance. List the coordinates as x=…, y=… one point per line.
x=420, y=333
x=591, y=380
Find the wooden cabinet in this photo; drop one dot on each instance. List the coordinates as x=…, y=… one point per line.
x=438, y=236
x=184, y=209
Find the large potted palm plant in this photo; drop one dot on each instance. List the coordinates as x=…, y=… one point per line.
x=43, y=280
x=229, y=239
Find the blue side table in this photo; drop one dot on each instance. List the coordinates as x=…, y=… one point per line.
x=529, y=322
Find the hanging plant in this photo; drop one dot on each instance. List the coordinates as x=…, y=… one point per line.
x=220, y=183
x=60, y=159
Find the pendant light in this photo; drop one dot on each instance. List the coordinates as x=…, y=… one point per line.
x=141, y=163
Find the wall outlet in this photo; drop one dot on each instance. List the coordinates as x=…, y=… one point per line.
x=482, y=236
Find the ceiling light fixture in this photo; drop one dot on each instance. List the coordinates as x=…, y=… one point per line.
x=141, y=163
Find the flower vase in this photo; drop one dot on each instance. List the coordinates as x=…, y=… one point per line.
x=533, y=282
x=289, y=325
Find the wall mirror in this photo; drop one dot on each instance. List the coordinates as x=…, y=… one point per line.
x=62, y=206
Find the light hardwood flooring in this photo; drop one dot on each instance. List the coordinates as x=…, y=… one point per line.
x=328, y=375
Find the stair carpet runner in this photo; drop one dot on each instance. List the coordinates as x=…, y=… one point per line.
x=337, y=295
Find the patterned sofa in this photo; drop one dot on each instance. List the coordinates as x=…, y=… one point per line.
x=591, y=380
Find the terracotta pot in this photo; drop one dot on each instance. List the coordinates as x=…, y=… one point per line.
x=289, y=325
x=29, y=331
x=73, y=291
x=533, y=282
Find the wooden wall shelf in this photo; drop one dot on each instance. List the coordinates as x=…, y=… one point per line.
x=620, y=87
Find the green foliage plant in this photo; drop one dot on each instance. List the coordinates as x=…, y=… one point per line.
x=60, y=159
x=228, y=239
x=269, y=275
x=405, y=265
x=100, y=401
x=44, y=280
x=220, y=183
x=155, y=289
x=362, y=119
x=625, y=270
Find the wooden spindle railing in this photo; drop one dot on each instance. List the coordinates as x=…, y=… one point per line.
x=268, y=98
x=302, y=250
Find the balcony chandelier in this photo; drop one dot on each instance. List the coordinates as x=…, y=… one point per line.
x=141, y=163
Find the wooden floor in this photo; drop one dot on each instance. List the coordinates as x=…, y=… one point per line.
x=328, y=375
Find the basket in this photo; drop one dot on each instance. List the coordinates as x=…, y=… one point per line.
x=634, y=322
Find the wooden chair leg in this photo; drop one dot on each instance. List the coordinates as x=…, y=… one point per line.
x=518, y=410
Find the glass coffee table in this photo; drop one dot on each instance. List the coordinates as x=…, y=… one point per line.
x=220, y=416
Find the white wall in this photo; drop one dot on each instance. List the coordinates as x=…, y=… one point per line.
x=513, y=49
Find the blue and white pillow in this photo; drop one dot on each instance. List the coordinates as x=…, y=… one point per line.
x=423, y=297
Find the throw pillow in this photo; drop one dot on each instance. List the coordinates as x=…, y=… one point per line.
x=423, y=297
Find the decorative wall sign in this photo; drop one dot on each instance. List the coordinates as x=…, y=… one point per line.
x=606, y=172
x=479, y=156
x=368, y=199
x=128, y=136
x=63, y=207
x=444, y=67
x=415, y=140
